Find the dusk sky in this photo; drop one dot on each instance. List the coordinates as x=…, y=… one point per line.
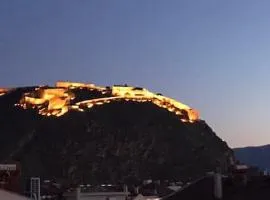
x=213, y=55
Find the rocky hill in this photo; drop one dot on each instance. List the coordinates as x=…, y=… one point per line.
x=81, y=133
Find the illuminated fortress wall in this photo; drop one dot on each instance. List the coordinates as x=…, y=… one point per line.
x=3, y=91
x=52, y=101
x=72, y=85
x=132, y=92
x=127, y=91
x=64, y=84
x=56, y=101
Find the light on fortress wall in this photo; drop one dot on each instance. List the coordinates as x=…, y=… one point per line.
x=56, y=101
x=3, y=91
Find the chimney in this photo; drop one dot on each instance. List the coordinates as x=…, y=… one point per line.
x=78, y=192
x=125, y=188
x=137, y=189
x=218, y=185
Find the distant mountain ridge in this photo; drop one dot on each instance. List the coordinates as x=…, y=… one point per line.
x=258, y=156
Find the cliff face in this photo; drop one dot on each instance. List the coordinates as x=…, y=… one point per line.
x=97, y=141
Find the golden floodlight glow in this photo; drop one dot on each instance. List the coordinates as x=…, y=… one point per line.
x=57, y=101
x=3, y=91
x=73, y=85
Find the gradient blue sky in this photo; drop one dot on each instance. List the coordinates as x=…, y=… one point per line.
x=213, y=55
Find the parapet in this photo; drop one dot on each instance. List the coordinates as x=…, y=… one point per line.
x=67, y=84
x=73, y=85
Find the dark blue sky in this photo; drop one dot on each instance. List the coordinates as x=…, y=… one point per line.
x=213, y=55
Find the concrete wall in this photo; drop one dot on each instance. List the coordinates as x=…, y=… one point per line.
x=98, y=196
x=4, y=195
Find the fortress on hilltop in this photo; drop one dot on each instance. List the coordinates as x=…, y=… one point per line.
x=58, y=100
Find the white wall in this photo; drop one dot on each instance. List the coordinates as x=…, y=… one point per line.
x=5, y=195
